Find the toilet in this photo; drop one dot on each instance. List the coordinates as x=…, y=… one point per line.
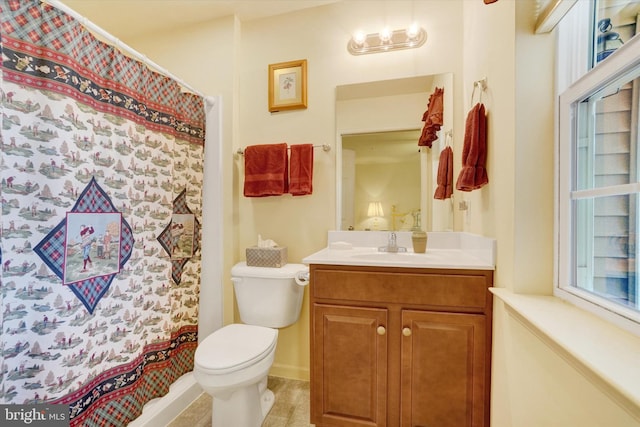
x=233, y=362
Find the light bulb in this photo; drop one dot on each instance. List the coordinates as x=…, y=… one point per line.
x=412, y=31
x=385, y=35
x=359, y=38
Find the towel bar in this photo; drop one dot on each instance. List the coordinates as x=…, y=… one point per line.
x=324, y=147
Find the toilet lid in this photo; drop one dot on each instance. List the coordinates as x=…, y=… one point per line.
x=234, y=347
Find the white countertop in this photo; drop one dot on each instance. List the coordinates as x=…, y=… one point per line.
x=450, y=250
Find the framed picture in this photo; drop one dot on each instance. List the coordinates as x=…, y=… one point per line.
x=182, y=235
x=92, y=245
x=288, y=85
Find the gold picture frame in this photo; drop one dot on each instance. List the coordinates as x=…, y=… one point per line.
x=288, y=85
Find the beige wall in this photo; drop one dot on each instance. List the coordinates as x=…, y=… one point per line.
x=532, y=385
x=231, y=58
x=320, y=36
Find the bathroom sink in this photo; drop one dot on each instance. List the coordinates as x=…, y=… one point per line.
x=433, y=258
x=444, y=250
x=396, y=257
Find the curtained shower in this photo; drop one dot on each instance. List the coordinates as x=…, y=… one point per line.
x=101, y=172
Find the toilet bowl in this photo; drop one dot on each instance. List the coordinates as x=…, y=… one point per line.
x=232, y=364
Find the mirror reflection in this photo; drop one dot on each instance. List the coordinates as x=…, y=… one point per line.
x=385, y=181
x=377, y=167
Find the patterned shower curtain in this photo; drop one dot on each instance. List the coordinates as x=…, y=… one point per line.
x=101, y=170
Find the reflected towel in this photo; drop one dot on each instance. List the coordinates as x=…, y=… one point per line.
x=474, y=151
x=301, y=170
x=266, y=170
x=432, y=118
x=445, y=175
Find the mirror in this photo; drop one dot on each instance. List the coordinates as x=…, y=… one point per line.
x=385, y=181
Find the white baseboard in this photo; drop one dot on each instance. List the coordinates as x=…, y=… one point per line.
x=160, y=411
x=290, y=371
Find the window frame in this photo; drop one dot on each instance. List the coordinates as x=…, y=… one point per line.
x=617, y=64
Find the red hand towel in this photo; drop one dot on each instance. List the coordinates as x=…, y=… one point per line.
x=445, y=175
x=301, y=175
x=266, y=170
x=432, y=118
x=474, y=151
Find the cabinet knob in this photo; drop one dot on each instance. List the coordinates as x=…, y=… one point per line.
x=406, y=332
x=381, y=330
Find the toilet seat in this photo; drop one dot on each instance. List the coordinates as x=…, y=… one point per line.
x=234, y=347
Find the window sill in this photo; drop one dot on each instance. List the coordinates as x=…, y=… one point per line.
x=606, y=355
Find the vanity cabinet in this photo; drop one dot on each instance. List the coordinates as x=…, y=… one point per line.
x=400, y=346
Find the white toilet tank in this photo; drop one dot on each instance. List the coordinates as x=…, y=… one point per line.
x=269, y=297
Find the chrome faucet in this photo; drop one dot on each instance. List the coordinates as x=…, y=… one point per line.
x=392, y=245
x=393, y=241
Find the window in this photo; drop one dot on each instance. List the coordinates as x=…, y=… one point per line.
x=613, y=23
x=598, y=178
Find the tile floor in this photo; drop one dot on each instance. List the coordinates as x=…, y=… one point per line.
x=291, y=408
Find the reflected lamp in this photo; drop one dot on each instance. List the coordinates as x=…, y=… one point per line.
x=375, y=211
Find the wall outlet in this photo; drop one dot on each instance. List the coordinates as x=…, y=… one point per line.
x=463, y=205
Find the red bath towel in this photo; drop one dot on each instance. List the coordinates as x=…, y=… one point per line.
x=474, y=151
x=445, y=175
x=301, y=170
x=432, y=118
x=266, y=170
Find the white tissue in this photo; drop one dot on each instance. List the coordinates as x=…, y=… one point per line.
x=268, y=243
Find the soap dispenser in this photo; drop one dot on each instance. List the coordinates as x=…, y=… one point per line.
x=418, y=236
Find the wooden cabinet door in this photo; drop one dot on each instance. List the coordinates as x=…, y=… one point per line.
x=443, y=370
x=349, y=366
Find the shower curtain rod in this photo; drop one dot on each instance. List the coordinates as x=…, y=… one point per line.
x=119, y=44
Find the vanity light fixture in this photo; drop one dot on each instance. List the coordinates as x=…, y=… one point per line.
x=387, y=40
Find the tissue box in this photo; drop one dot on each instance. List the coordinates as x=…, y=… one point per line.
x=275, y=257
